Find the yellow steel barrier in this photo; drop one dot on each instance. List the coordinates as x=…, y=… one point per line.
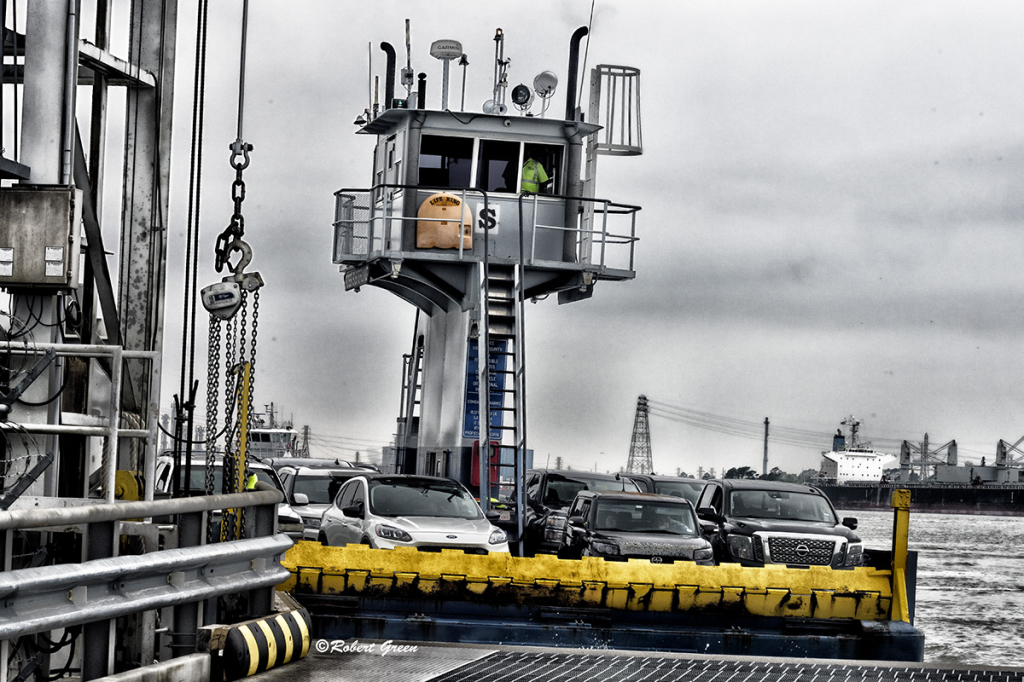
x=815, y=592
x=900, y=539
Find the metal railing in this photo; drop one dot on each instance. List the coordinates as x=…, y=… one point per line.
x=370, y=223
x=108, y=427
x=105, y=586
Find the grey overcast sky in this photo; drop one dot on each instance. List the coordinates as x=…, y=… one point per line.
x=831, y=219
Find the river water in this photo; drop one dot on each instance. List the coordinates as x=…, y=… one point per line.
x=970, y=583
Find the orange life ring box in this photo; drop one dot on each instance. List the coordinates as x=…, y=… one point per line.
x=442, y=218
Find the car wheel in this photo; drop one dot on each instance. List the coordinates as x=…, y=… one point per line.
x=566, y=553
x=366, y=541
x=323, y=540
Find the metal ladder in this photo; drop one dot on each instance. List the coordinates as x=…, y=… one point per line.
x=412, y=388
x=501, y=331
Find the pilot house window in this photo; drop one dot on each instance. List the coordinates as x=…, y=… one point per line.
x=498, y=170
x=542, y=167
x=446, y=162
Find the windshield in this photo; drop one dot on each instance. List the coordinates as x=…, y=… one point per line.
x=418, y=498
x=775, y=504
x=561, y=490
x=687, y=491
x=319, y=489
x=645, y=517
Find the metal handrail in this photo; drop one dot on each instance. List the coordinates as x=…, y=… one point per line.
x=98, y=513
x=40, y=599
x=380, y=209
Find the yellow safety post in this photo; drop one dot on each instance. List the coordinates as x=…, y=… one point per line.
x=243, y=441
x=900, y=538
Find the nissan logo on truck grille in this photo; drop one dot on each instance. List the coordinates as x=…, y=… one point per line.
x=807, y=551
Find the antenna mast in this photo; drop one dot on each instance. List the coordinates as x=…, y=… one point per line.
x=408, y=78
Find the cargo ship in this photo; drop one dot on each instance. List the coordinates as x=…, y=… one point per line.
x=856, y=476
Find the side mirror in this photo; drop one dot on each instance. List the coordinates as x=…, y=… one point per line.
x=300, y=499
x=850, y=523
x=709, y=514
x=576, y=521
x=708, y=527
x=353, y=510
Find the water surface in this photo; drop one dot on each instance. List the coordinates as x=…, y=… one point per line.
x=970, y=583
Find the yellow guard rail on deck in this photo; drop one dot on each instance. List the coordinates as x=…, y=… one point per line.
x=815, y=592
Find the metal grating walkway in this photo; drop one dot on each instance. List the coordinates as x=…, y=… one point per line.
x=516, y=666
x=467, y=663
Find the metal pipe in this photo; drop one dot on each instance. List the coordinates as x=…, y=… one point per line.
x=111, y=446
x=574, y=65
x=421, y=92
x=70, y=87
x=389, y=78
x=95, y=513
x=77, y=430
x=84, y=350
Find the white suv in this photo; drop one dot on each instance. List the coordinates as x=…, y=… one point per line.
x=425, y=512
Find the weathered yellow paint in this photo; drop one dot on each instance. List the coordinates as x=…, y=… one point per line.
x=900, y=604
x=861, y=593
x=900, y=529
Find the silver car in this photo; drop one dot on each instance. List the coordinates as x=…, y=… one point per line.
x=426, y=512
x=311, y=491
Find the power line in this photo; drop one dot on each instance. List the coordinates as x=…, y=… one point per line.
x=751, y=429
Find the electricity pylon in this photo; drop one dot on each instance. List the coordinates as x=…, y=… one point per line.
x=640, y=446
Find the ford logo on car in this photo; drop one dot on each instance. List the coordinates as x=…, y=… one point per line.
x=451, y=537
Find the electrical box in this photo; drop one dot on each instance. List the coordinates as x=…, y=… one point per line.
x=40, y=237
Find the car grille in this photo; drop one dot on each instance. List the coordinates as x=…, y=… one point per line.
x=803, y=551
x=438, y=548
x=649, y=549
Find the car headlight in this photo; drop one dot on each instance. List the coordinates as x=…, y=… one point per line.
x=604, y=548
x=554, y=527
x=556, y=520
x=497, y=537
x=392, y=533
x=741, y=547
x=704, y=554
x=854, y=554
x=311, y=522
x=289, y=527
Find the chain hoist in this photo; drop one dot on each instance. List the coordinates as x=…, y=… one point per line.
x=233, y=334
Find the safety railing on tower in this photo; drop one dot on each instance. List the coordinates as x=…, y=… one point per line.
x=371, y=223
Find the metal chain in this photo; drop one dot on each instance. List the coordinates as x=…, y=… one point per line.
x=230, y=382
x=212, y=385
x=242, y=359
x=252, y=352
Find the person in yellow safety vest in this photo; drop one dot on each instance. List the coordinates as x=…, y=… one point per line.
x=534, y=176
x=250, y=483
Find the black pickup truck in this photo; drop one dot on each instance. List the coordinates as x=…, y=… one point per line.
x=754, y=522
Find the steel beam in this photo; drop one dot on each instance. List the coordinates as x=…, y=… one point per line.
x=144, y=219
x=116, y=70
